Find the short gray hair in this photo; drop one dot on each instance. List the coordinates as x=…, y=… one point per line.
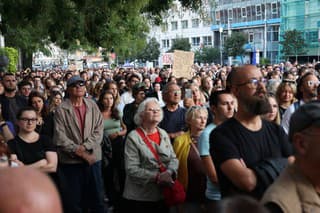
x=142, y=107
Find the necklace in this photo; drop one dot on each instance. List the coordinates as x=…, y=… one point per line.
x=194, y=139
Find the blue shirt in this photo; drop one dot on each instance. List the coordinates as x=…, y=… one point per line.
x=212, y=191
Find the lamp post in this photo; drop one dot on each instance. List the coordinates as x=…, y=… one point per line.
x=220, y=33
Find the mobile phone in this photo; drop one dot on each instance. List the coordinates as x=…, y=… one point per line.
x=188, y=93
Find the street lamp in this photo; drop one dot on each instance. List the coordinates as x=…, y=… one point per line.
x=220, y=32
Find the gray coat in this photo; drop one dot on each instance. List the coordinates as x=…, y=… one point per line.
x=142, y=167
x=67, y=134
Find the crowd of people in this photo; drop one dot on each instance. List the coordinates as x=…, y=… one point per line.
x=90, y=131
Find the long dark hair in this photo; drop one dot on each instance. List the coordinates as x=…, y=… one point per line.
x=45, y=110
x=114, y=111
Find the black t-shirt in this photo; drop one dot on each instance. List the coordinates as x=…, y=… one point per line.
x=231, y=140
x=29, y=153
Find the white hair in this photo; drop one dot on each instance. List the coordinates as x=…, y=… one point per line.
x=142, y=108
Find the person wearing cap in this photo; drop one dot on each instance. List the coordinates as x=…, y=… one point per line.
x=297, y=189
x=138, y=92
x=78, y=134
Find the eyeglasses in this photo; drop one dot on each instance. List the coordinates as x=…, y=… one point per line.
x=176, y=92
x=253, y=82
x=28, y=120
x=313, y=83
x=153, y=110
x=78, y=84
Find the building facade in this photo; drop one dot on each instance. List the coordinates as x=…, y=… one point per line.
x=259, y=20
x=182, y=23
x=303, y=16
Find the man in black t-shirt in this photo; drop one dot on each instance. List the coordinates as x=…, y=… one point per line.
x=246, y=139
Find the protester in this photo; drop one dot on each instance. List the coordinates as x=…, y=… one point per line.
x=10, y=101
x=245, y=140
x=191, y=172
x=174, y=115
x=138, y=93
x=273, y=115
x=30, y=148
x=144, y=181
x=222, y=107
x=44, y=117
x=78, y=134
x=306, y=91
x=115, y=130
x=298, y=187
x=285, y=96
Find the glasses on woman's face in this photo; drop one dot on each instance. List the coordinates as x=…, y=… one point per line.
x=28, y=120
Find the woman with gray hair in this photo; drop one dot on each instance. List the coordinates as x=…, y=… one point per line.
x=144, y=181
x=191, y=171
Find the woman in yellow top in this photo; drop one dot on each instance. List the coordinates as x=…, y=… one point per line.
x=191, y=172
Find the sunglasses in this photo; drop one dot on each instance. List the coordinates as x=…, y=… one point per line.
x=78, y=84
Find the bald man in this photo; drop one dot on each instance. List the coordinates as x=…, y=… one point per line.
x=245, y=140
x=26, y=189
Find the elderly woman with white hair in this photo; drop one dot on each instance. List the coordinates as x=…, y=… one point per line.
x=144, y=181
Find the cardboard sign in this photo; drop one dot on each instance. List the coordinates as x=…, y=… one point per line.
x=182, y=64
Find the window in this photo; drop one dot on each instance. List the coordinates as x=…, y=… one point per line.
x=274, y=8
x=258, y=10
x=251, y=37
x=174, y=25
x=164, y=27
x=195, y=41
x=195, y=23
x=217, y=15
x=230, y=14
x=165, y=43
x=207, y=40
x=243, y=12
x=184, y=24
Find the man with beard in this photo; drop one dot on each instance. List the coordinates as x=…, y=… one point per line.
x=245, y=140
x=10, y=101
x=307, y=90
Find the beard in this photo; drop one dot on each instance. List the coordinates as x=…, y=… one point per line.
x=257, y=105
x=8, y=89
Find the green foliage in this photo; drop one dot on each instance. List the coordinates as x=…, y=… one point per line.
x=150, y=52
x=31, y=25
x=207, y=55
x=233, y=45
x=293, y=43
x=12, y=55
x=264, y=61
x=180, y=44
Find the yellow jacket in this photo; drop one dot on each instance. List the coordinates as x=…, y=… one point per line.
x=181, y=147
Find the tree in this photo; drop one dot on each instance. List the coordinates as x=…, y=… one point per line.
x=78, y=24
x=180, y=44
x=207, y=55
x=293, y=44
x=150, y=52
x=233, y=45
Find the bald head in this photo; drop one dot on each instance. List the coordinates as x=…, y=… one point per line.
x=240, y=73
x=28, y=190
